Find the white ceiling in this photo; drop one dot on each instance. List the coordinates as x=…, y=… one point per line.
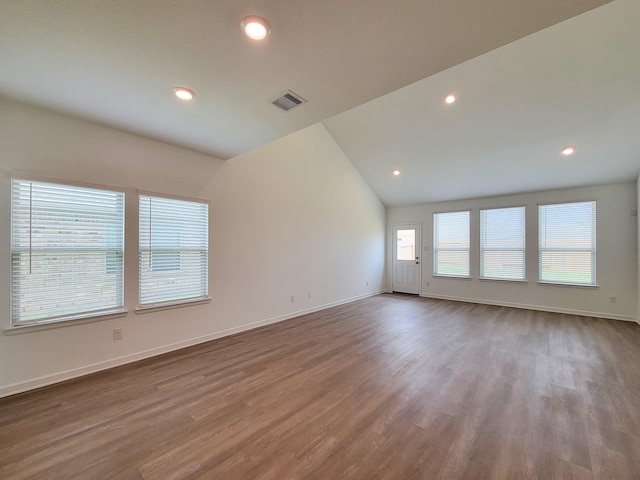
x=576, y=83
x=116, y=62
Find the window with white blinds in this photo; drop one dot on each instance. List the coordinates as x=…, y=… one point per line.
x=67, y=252
x=502, y=243
x=451, y=244
x=567, y=243
x=173, y=250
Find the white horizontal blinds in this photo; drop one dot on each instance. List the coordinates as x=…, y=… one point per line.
x=451, y=240
x=567, y=243
x=174, y=249
x=67, y=245
x=502, y=243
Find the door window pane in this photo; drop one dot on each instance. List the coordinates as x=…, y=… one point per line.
x=406, y=249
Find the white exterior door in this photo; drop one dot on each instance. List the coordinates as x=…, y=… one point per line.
x=406, y=259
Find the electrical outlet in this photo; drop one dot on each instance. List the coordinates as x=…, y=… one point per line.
x=613, y=299
x=366, y=284
x=117, y=334
x=309, y=294
x=427, y=283
x=293, y=299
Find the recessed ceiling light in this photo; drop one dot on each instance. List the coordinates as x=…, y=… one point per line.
x=569, y=150
x=450, y=98
x=396, y=172
x=255, y=27
x=184, y=93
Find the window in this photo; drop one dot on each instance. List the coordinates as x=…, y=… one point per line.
x=451, y=244
x=67, y=252
x=165, y=258
x=502, y=243
x=406, y=249
x=174, y=250
x=567, y=243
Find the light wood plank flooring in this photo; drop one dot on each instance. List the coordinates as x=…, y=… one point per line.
x=391, y=387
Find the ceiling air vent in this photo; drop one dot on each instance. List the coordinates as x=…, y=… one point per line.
x=288, y=100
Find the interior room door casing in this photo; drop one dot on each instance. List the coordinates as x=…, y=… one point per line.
x=406, y=258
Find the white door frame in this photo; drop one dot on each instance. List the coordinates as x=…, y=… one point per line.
x=404, y=266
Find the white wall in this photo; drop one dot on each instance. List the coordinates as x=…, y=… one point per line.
x=291, y=218
x=638, y=232
x=296, y=219
x=617, y=254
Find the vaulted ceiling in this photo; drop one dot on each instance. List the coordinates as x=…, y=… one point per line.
x=530, y=76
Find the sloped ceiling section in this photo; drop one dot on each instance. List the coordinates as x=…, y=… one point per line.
x=116, y=62
x=576, y=83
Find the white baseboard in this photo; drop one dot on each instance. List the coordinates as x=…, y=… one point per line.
x=58, y=377
x=540, y=308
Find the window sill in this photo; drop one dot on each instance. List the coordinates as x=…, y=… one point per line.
x=508, y=280
x=60, y=323
x=455, y=277
x=170, y=305
x=571, y=285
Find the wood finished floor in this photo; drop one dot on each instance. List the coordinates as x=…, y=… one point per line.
x=391, y=387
